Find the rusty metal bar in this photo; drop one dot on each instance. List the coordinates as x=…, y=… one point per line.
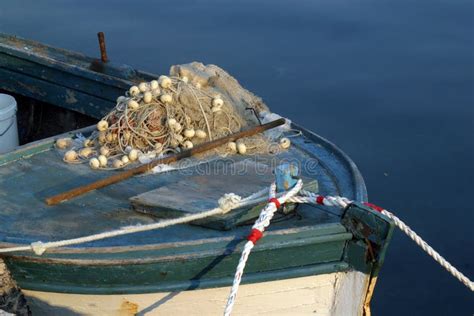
x=103, y=50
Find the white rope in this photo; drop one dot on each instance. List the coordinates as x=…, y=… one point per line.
x=429, y=250
x=308, y=197
x=227, y=203
x=343, y=202
x=261, y=224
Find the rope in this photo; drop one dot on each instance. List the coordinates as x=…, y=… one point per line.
x=227, y=203
x=429, y=250
x=308, y=197
x=258, y=228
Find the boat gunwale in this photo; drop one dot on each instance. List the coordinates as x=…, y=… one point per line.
x=338, y=229
x=360, y=190
x=185, y=256
x=195, y=284
x=45, y=60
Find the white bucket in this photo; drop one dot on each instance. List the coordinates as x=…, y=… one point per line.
x=8, y=125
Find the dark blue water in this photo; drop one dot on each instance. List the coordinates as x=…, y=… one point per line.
x=390, y=82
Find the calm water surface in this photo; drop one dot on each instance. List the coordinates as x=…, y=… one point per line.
x=390, y=82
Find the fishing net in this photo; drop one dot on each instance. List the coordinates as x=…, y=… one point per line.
x=196, y=103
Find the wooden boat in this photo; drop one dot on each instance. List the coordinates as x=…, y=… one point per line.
x=315, y=259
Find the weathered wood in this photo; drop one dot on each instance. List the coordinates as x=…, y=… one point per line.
x=147, y=167
x=63, y=79
x=180, y=273
x=373, y=232
x=44, y=174
x=201, y=192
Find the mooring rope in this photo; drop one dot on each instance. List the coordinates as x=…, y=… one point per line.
x=424, y=245
x=343, y=203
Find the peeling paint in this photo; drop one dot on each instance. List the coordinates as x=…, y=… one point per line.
x=31, y=89
x=368, y=297
x=128, y=308
x=70, y=97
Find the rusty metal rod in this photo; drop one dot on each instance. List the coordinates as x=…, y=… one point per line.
x=147, y=167
x=103, y=50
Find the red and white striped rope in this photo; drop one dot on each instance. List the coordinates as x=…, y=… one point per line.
x=258, y=228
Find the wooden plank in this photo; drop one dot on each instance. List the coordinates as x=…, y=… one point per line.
x=201, y=192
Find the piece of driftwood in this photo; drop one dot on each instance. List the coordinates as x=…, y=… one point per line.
x=147, y=167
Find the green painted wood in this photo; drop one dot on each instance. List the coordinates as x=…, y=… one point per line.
x=168, y=274
x=25, y=152
x=248, y=278
x=182, y=255
x=371, y=230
